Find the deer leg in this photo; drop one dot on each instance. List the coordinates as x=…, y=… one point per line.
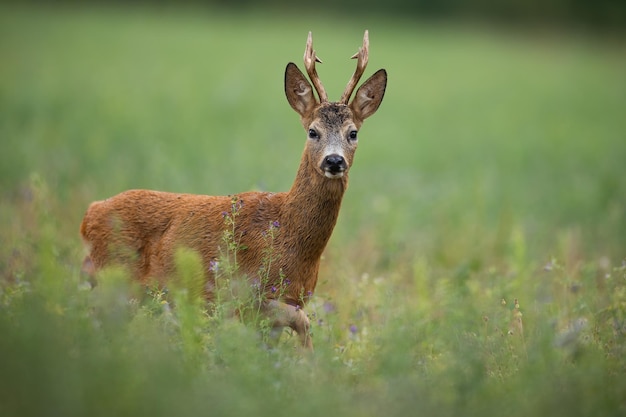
x=88, y=271
x=283, y=314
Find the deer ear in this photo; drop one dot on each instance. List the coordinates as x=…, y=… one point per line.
x=298, y=91
x=369, y=96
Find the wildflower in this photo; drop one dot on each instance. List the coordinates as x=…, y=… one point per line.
x=353, y=329
x=551, y=265
x=236, y=204
x=224, y=214
x=213, y=265
x=275, y=224
x=273, y=289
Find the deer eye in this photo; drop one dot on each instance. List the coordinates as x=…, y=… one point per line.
x=352, y=135
x=313, y=134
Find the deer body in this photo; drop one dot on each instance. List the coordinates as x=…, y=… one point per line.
x=142, y=229
x=149, y=226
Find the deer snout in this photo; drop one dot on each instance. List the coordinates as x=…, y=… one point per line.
x=334, y=166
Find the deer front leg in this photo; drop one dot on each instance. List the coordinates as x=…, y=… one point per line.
x=283, y=314
x=88, y=271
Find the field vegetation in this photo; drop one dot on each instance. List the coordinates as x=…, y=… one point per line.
x=478, y=266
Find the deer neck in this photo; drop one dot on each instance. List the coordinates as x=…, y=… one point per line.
x=311, y=209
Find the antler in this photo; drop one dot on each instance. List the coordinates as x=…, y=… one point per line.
x=362, y=56
x=310, y=58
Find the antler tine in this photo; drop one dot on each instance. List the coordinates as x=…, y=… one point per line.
x=362, y=55
x=310, y=58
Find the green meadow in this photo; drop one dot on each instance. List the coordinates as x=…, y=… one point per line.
x=478, y=266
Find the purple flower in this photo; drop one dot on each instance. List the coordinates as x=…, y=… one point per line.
x=329, y=307
x=353, y=329
x=275, y=224
x=213, y=265
x=273, y=289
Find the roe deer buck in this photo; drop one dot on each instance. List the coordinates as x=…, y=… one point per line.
x=149, y=226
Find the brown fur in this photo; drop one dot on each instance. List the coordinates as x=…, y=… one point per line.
x=142, y=229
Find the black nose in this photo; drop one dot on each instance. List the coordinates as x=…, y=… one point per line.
x=334, y=164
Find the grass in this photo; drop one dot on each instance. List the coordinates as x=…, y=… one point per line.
x=477, y=267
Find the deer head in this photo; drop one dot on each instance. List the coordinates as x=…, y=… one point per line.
x=333, y=127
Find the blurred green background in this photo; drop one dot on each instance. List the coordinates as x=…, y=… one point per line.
x=494, y=169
